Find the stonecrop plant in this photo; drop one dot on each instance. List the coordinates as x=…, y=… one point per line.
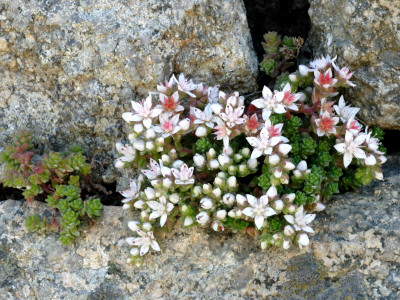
x=207, y=158
x=62, y=178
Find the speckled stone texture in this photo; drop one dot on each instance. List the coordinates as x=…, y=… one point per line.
x=355, y=254
x=69, y=69
x=365, y=34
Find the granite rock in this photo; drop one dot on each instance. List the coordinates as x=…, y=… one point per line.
x=69, y=69
x=365, y=35
x=353, y=255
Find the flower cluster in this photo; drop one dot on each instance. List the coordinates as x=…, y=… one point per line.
x=207, y=159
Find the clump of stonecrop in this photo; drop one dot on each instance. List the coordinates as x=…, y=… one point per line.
x=62, y=178
x=205, y=159
x=280, y=53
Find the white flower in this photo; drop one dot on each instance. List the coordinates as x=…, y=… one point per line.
x=259, y=209
x=160, y=208
x=206, y=203
x=170, y=105
x=169, y=126
x=145, y=240
x=301, y=220
x=185, y=85
x=322, y=62
x=232, y=116
x=202, y=218
x=142, y=112
x=223, y=132
x=183, y=175
x=351, y=147
x=345, y=112
x=154, y=171
x=129, y=154
x=326, y=124
x=132, y=192
x=263, y=144
x=269, y=103
x=287, y=98
x=204, y=117
x=372, y=142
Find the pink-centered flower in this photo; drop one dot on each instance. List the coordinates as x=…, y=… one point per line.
x=325, y=80
x=232, y=116
x=353, y=126
x=185, y=85
x=168, y=125
x=204, y=117
x=128, y=152
x=345, y=112
x=222, y=132
x=252, y=124
x=170, y=104
x=184, y=175
x=167, y=86
x=301, y=220
x=132, y=192
x=142, y=112
x=326, y=124
x=269, y=103
x=351, y=147
x=343, y=75
x=154, y=170
x=263, y=144
x=259, y=208
x=145, y=241
x=287, y=98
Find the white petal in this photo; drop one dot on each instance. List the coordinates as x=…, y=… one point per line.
x=251, y=199
x=279, y=109
x=155, y=245
x=255, y=142
x=144, y=249
x=266, y=92
x=256, y=153
x=272, y=192
x=259, y=103
x=259, y=221
x=269, y=212
x=289, y=218
x=307, y=229
x=359, y=153
x=163, y=219
x=340, y=147
x=248, y=211
x=347, y=158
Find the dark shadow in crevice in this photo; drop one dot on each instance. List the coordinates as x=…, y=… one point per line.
x=391, y=141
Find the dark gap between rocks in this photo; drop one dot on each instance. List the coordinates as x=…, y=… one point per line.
x=391, y=141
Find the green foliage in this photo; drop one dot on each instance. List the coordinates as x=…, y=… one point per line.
x=58, y=177
x=236, y=224
x=203, y=145
x=276, y=223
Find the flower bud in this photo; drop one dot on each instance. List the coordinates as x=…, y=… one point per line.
x=232, y=182
x=252, y=163
x=278, y=205
x=211, y=154
x=206, y=203
x=243, y=170
x=174, y=198
x=167, y=183
x=232, y=213
x=217, y=226
x=245, y=152
x=378, y=175
x=303, y=70
x=150, y=145
x=237, y=157
x=150, y=134
x=132, y=136
x=219, y=182
x=138, y=128
x=214, y=164
x=133, y=225
x=297, y=174
x=287, y=165
x=135, y=251
x=290, y=197
x=228, y=150
x=288, y=230
x=303, y=239
x=165, y=159
x=199, y=160
x=239, y=213
x=184, y=124
x=201, y=131
x=277, y=236
x=232, y=170
x=224, y=160
x=146, y=226
x=173, y=154
x=274, y=159
x=284, y=149
x=228, y=199
x=202, y=218
x=126, y=206
x=286, y=244
x=185, y=209
x=150, y=193
x=291, y=208
x=139, y=145
x=217, y=193
x=140, y=204
x=319, y=207
x=264, y=245
x=292, y=77
x=197, y=191
x=144, y=216
x=278, y=173
x=188, y=221
x=119, y=164
x=241, y=200
x=207, y=188
x=221, y=214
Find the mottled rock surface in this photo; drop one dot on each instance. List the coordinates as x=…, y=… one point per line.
x=365, y=34
x=355, y=254
x=70, y=68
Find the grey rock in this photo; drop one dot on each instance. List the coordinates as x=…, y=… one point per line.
x=69, y=69
x=353, y=255
x=365, y=35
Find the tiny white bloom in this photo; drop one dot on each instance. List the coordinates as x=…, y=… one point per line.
x=142, y=112
x=184, y=175
x=351, y=147
x=145, y=241
x=161, y=208
x=259, y=209
x=301, y=220
x=132, y=192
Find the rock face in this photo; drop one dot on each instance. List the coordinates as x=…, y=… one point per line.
x=355, y=254
x=70, y=68
x=365, y=35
